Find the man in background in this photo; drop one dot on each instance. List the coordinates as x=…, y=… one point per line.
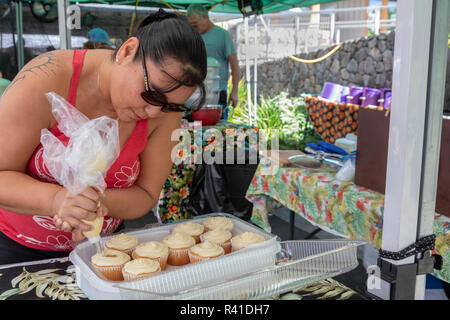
x=219, y=45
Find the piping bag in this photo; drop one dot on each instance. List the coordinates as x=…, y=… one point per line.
x=83, y=161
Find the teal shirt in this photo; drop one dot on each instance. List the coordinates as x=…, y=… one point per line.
x=219, y=45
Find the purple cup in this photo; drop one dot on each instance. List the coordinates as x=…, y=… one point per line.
x=354, y=97
x=385, y=98
x=370, y=97
x=344, y=93
x=331, y=91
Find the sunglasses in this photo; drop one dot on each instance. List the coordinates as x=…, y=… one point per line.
x=158, y=98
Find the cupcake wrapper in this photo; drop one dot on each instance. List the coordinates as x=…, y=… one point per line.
x=162, y=260
x=197, y=238
x=129, y=277
x=113, y=273
x=226, y=246
x=178, y=257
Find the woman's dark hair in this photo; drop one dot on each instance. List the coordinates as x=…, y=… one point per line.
x=166, y=35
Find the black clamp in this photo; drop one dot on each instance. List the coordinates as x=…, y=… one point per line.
x=403, y=277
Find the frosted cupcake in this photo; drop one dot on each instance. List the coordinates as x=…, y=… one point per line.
x=122, y=242
x=110, y=263
x=244, y=240
x=140, y=268
x=190, y=228
x=179, y=245
x=153, y=250
x=204, y=251
x=213, y=223
x=220, y=237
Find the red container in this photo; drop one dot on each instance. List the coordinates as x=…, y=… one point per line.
x=209, y=115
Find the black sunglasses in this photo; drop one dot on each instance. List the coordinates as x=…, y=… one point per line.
x=158, y=98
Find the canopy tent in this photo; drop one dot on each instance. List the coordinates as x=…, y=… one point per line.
x=222, y=6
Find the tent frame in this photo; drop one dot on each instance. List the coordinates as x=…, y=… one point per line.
x=414, y=137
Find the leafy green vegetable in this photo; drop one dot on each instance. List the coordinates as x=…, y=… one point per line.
x=283, y=115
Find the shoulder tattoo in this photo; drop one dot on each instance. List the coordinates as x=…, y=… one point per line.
x=44, y=67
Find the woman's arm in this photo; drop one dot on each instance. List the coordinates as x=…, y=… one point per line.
x=136, y=201
x=24, y=111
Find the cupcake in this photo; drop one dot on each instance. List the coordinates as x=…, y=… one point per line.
x=221, y=237
x=213, y=223
x=190, y=228
x=153, y=250
x=140, y=268
x=244, y=240
x=204, y=251
x=110, y=263
x=179, y=245
x=122, y=242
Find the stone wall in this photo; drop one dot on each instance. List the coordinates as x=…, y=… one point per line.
x=364, y=62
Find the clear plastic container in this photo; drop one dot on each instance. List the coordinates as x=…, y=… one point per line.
x=300, y=263
x=175, y=279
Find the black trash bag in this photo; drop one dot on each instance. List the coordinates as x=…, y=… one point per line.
x=221, y=188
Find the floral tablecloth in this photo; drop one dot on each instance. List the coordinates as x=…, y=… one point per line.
x=341, y=208
x=175, y=193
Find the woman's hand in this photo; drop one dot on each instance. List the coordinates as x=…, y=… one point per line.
x=69, y=210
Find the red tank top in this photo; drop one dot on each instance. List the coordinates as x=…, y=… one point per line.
x=39, y=232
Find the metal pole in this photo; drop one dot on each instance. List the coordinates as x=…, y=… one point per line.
x=247, y=71
x=377, y=21
x=19, y=27
x=296, y=22
x=64, y=32
x=255, y=73
x=407, y=143
x=332, y=27
x=433, y=124
x=238, y=37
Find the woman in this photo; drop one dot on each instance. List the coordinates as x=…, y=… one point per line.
x=143, y=84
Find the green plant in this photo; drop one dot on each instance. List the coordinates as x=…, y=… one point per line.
x=282, y=115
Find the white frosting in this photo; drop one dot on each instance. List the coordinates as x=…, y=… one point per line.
x=152, y=249
x=140, y=266
x=217, y=236
x=110, y=257
x=190, y=228
x=96, y=224
x=122, y=241
x=207, y=249
x=179, y=241
x=218, y=223
x=247, y=238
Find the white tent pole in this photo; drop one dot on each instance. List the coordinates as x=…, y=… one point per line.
x=247, y=71
x=408, y=142
x=433, y=123
x=64, y=32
